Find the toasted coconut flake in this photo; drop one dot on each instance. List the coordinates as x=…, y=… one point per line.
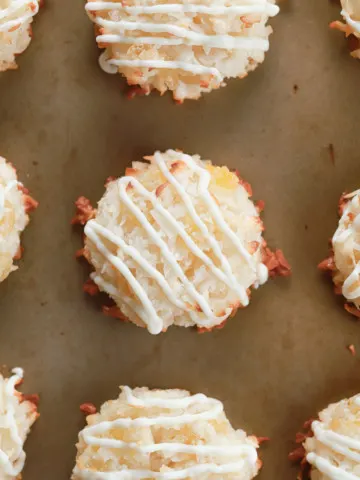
x=114, y=312
x=88, y=408
x=276, y=263
x=327, y=265
x=84, y=211
x=260, y=206
x=352, y=309
x=91, y=288
x=30, y=204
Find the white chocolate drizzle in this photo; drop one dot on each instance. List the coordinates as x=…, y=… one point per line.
x=95, y=435
x=4, y=190
x=9, y=17
x=347, y=447
x=8, y=398
x=341, y=235
x=147, y=313
x=115, y=32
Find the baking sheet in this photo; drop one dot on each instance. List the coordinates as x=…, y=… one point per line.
x=67, y=126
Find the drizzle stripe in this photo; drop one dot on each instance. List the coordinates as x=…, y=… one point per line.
x=269, y=8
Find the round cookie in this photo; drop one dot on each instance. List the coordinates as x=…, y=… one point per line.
x=15, y=203
x=344, y=261
x=164, y=434
x=185, y=48
x=333, y=445
x=177, y=241
x=16, y=17
x=17, y=414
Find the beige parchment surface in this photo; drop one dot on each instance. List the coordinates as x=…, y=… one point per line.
x=67, y=126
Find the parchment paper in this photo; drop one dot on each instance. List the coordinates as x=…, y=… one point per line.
x=67, y=126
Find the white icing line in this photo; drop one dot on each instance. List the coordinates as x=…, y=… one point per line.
x=167, y=64
x=269, y=8
x=211, y=41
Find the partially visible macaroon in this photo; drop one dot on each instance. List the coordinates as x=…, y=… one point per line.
x=164, y=434
x=177, y=241
x=16, y=17
x=18, y=412
x=351, y=14
x=15, y=204
x=187, y=48
x=330, y=447
x=344, y=260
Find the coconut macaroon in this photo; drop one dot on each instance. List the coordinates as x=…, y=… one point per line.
x=15, y=204
x=188, y=48
x=351, y=14
x=344, y=260
x=164, y=434
x=331, y=449
x=18, y=412
x=177, y=241
x=16, y=17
